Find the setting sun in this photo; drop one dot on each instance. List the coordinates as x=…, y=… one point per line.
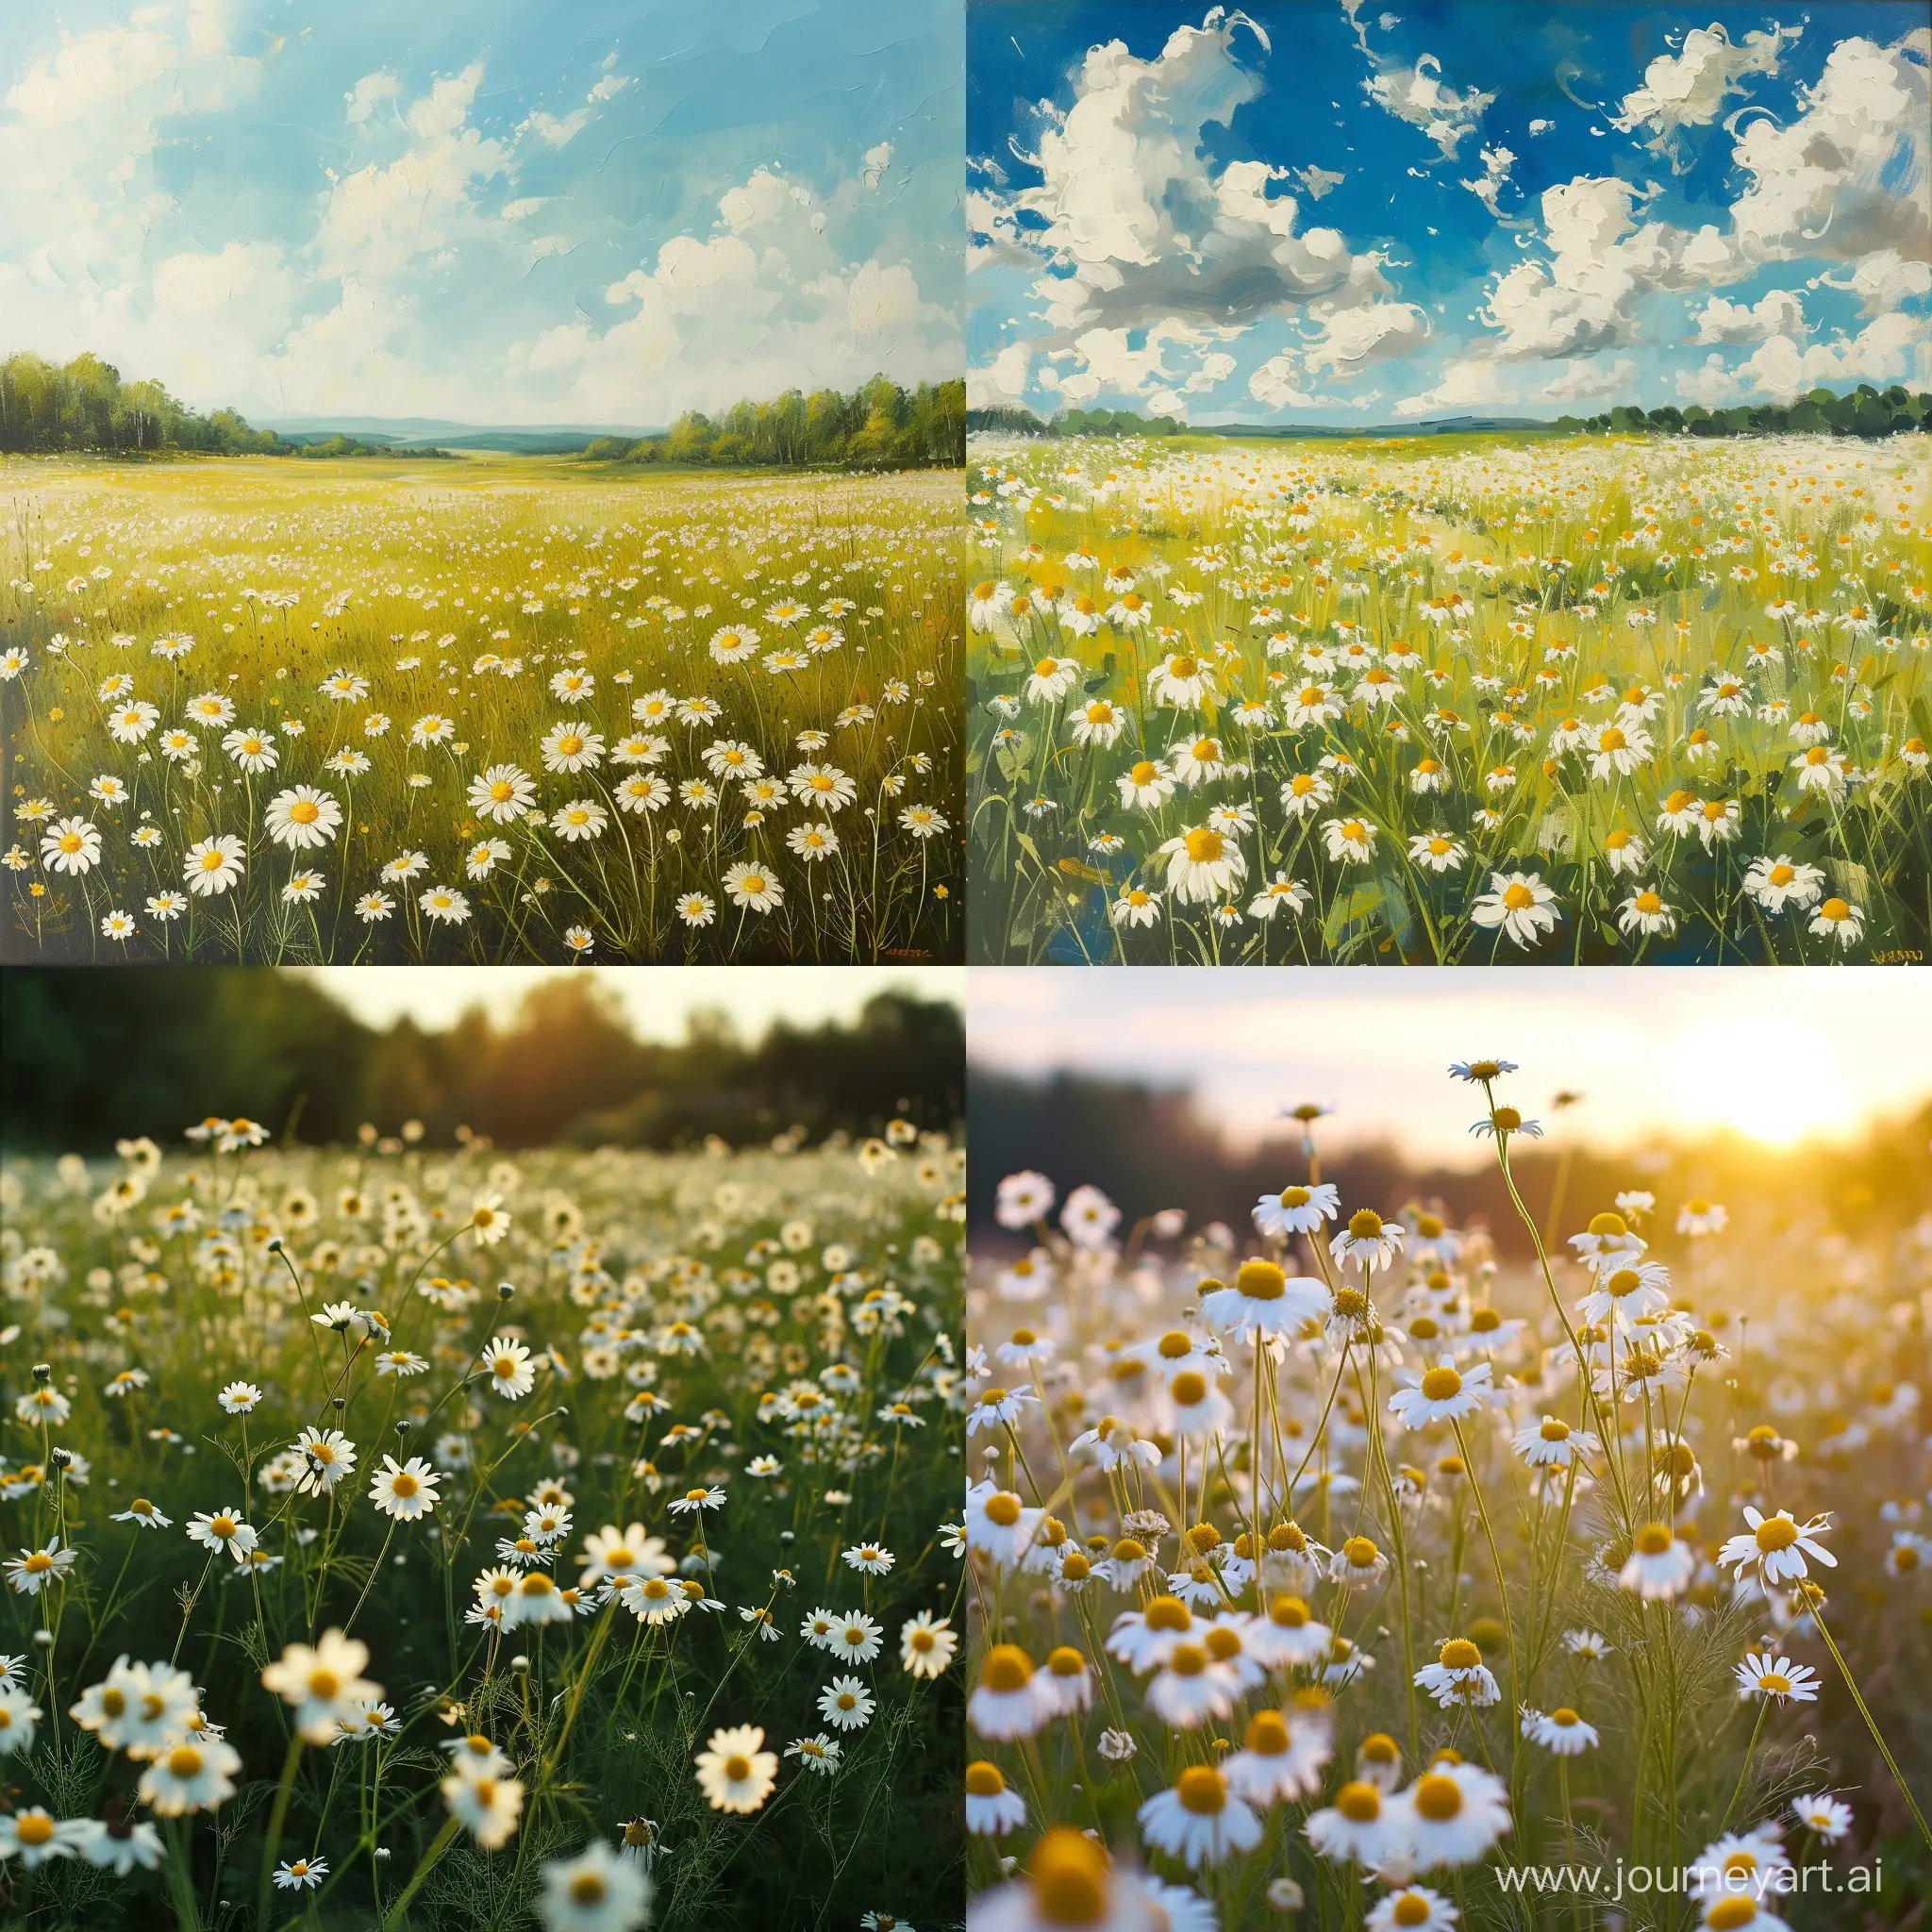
x=1777, y=1085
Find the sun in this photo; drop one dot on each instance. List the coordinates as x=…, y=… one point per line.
x=1778, y=1083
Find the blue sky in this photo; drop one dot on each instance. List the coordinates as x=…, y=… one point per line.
x=490, y=211
x=1336, y=211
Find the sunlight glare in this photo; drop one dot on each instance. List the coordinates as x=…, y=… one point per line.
x=1776, y=1084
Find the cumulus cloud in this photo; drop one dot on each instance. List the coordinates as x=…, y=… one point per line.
x=1779, y=313
x=1467, y=383
x=1850, y=175
x=385, y=215
x=1586, y=381
x=1148, y=255
x=1603, y=261
x=1712, y=384
x=766, y=302
x=1847, y=180
x=1318, y=181
x=1689, y=89
x=1139, y=226
x=79, y=128
x=1000, y=384
x=1886, y=350
x=1353, y=337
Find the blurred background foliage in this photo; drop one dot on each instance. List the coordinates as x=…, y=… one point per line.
x=87, y=1058
x=1148, y=1147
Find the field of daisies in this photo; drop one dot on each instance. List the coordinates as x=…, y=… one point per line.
x=489, y=711
x=1576, y=700
x=403, y=1538
x=1338, y=1568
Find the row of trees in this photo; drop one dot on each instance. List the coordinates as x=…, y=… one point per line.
x=87, y=1057
x=1017, y=421
x=86, y=406
x=879, y=426
x=1864, y=411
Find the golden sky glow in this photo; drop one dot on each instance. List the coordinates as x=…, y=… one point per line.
x=1779, y=1056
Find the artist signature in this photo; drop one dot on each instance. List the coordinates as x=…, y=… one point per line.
x=1899, y=956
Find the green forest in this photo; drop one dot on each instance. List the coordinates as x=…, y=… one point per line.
x=86, y=406
x=880, y=426
x=1862, y=411
x=87, y=1059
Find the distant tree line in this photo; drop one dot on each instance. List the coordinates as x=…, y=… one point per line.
x=1150, y=1147
x=1017, y=421
x=87, y=1057
x=86, y=406
x=879, y=426
x=1862, y=411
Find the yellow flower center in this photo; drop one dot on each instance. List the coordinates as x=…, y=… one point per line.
x=1358, y=1802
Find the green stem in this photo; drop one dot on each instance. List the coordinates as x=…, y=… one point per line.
x=438, y=1845
x=273, y=1843
x=1871, y=1724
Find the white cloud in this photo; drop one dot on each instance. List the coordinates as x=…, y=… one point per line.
x=1277, y=384
x=1465, y=384
x=1689, y=89
x=1141, y=236
x=91, y=72
x=1586, y=381
x=766, y=302
x=1131, y=207
x=878, y=160
x=1847, y=180
x=1001, y=383
x=81, y=206
x=1356, y=337
x=342, y=358
x=555, y=131
x=1497, y=161
x=1850, y=175
x=1779, y=313
x=372, y=91
x=1318, y=181
x=1416, y=94
x=1603, y=261
x=1882, y=281
x=201, y=285
x=1713, y=384
x=1889, y=349
x=1107, y=362
x=386, y=216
